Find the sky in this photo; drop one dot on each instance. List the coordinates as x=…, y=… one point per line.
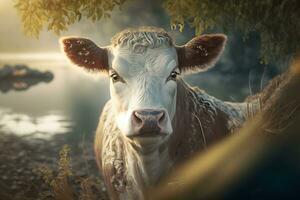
x=12, y=38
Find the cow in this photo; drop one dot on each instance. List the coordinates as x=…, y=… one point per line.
x=154, y=120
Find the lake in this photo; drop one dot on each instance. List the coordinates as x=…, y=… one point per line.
x=68, y=104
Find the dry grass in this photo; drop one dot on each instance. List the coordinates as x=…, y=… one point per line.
x=63, y=185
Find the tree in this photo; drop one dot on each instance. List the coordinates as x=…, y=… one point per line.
x=58, y=15
x=276, y=21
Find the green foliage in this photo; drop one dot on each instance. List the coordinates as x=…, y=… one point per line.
x=277, y=21
x=57, y=15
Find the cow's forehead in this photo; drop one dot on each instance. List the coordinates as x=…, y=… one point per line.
x=157, y=60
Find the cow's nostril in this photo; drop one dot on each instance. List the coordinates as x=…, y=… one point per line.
x=137, y=118
x=161, y=117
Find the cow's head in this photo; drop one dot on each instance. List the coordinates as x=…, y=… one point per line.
x=144, y=67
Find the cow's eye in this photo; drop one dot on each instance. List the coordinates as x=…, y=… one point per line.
x=173, y=75
x=116, y=78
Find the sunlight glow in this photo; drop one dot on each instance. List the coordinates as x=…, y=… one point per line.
x=32, y=56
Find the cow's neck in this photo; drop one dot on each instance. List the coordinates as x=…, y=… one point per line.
x=148, y=165
x=200, y=120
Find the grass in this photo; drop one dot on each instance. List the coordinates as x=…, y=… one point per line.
x=63, y=185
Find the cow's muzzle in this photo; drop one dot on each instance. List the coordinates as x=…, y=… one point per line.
x=148, y=122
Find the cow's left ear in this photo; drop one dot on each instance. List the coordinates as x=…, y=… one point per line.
x=85, y=53
x=201, y=53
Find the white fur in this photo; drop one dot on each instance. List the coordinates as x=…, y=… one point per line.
x=146, y=85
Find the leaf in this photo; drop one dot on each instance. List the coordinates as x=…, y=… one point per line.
x=59, y=14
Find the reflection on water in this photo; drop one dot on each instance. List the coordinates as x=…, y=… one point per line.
x=21, y=77
x=39, y=127
x=76, y=97
x=20, y=84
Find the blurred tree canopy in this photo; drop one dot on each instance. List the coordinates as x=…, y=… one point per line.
x=58, y=15
x=276, y=21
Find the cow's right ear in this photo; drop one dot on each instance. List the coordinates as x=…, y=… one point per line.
x=85, y=53
x=201, y=53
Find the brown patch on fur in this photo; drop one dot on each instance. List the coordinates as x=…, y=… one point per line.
x=201, y=52
x=85, y=53
x=196, y=124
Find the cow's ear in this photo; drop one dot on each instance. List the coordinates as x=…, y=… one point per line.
x=201, y=53
x=85, y=53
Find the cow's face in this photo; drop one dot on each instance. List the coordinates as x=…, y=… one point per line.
x=144, y=68
x=143, y=90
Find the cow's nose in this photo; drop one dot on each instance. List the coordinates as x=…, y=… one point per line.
x=148, y=122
